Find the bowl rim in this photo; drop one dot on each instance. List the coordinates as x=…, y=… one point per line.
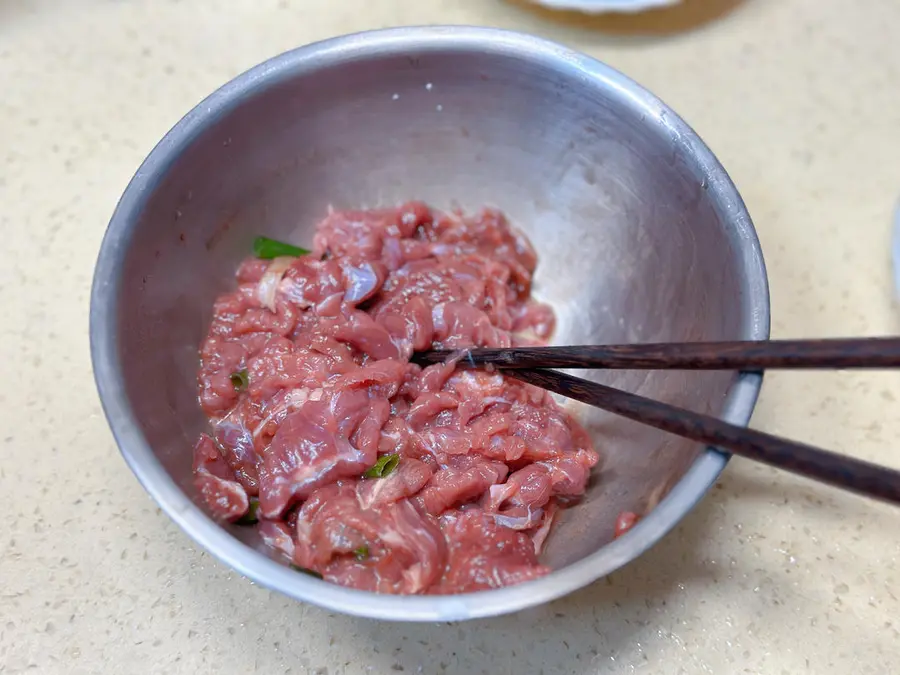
x=254, y=564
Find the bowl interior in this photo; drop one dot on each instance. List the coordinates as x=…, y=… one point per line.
x=639, y=234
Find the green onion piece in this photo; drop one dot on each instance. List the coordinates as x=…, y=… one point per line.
x=362, y=552
x=240, y=379
x=383, y=467
x=252, y=515
x=266, y=248
x=304, y=570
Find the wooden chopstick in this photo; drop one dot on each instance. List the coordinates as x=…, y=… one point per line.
x=840, y=353
x=841, y=471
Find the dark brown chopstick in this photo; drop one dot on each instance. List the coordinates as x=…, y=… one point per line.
x=828, y=467
x=767, y=354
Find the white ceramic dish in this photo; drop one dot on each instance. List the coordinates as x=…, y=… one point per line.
x=604, y=6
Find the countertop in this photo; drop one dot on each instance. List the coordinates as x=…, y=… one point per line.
x=800, y=99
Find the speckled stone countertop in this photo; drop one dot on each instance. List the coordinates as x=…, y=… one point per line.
x=770, y=574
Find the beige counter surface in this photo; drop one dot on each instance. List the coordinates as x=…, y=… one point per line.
x=800, y=99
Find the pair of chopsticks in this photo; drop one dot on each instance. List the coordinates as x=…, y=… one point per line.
x=531, y=364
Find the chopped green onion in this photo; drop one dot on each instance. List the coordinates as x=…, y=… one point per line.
x=383, y=467
x=266, y=248
x=362, y=552
x=252, y=515
x=304, y=570
x=240, y=379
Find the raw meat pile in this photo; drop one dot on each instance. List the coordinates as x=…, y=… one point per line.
x=356, y=464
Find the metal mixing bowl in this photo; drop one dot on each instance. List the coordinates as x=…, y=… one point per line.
x=641, y=234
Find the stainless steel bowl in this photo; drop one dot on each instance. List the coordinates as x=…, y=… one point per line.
x=642, y=237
